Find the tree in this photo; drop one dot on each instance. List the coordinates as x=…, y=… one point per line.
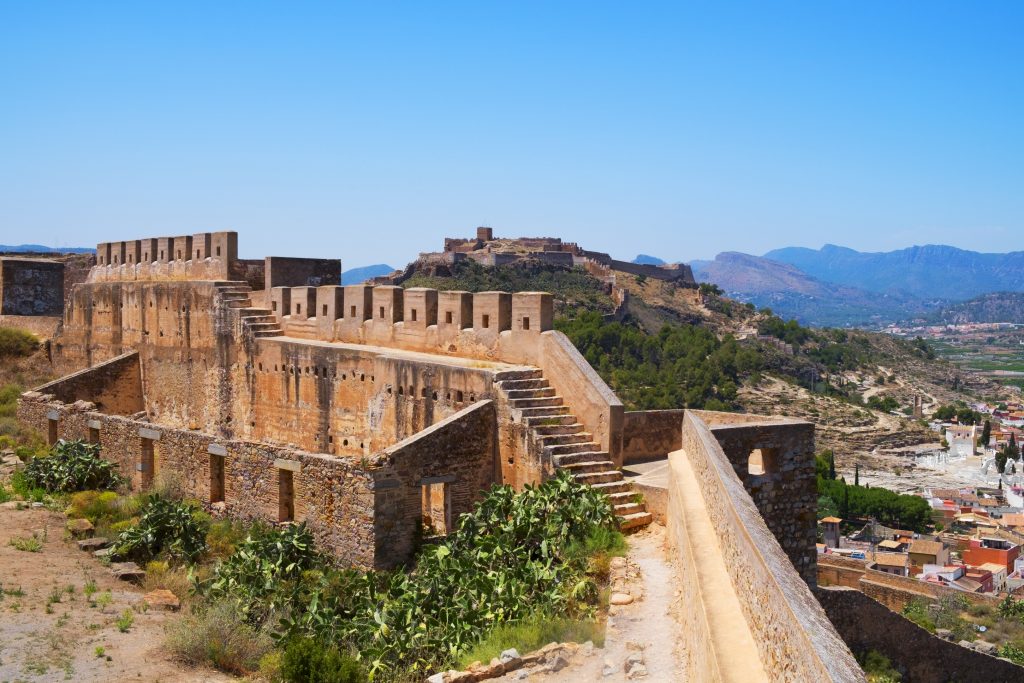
x=856, y=474
x=986, y=433
x=1012, y=451
x=831, y=465
x=1001, y=461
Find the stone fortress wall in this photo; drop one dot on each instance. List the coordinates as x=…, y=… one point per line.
x=349, y=407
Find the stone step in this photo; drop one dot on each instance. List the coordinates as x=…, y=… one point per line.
x=626, y=509
x=235, y=290
x=510, y=384
x=582, y=456
x=543, y=412
x=536, y=402
x=230, y=283
x=623, y=498
x=255, y=311
x=268, y=333
x=526, y=373
x=238, y=303
x=610, y=488
x=229, y=295
x=250, y=319
x=632, y=521
x=530, y=393
x=591, y=466
x=598, y=477
x=551, y=430
x=567, y=448
x=93, y=544
x=127, y=571
x=562, y=439
x=263, y=326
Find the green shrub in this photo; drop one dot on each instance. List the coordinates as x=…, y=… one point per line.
x=99, y=507
x=72, y=466
x=307, y=661
x=219, y=636
x=16, y=342
x=533, y=633
x=164, y=526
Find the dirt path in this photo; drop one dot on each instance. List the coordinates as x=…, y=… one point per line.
x=50, y=630
x=646, y=627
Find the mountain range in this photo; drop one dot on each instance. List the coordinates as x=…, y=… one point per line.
x=355, y=276
x=838, y=286
x=40, y=249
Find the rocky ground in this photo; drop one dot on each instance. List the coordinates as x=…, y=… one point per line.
x=60, y=611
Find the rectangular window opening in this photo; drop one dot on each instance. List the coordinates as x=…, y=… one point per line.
x=285, y=496
x=217, y=479
x=382, y=312
x=353, y=312
x=413, y=312
x=273, y=306
x=436, y=509
x=486, y=322
x=448, y=318
x=147, y=463
x=218, y=251
x=526, y=323
x=94, y=435
x=325, y=311
x=51, y=436
x=298, y=309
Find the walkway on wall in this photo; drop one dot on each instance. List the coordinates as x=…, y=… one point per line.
x=730, y=633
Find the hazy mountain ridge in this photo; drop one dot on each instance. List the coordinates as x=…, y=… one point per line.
x=792, y=293
x=932, y=271
x=355, y=276
x=40, y=249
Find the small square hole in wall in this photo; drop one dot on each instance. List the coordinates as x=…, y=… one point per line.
x=298, y=309
x=285, y=496
x=161, y=255
x=486, y=322
x=146, y=256
x=448, y=317
x=526, y=323
x=273, y=306
x=413, y=312
x=324, y=314
x=382, y=312
x=218, y=251
x=197, y=254
x=352, y=312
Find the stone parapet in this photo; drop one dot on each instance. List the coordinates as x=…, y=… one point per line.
x=203, y=256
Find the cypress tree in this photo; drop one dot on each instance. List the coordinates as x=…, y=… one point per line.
x=856, y=474
x=986, y=434
x=831, y=465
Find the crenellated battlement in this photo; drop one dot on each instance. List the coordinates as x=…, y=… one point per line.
x=481, y=325
x=203, y=256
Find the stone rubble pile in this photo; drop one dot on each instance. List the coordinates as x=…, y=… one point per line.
x=551, y=658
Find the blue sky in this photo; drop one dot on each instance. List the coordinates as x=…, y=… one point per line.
x=370, y=131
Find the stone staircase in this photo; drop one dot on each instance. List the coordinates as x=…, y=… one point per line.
x=557, y=433
x=259, y=322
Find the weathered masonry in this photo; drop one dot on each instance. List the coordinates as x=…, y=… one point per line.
x=271, y=392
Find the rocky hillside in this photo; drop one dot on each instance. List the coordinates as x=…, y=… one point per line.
x=997, y=307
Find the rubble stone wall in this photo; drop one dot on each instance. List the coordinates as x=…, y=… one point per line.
x=648, y=434
x=795, y=640
x=785, y=489
x=334, y=496
x=865, y=624
x=114, y=386
x=31, y=287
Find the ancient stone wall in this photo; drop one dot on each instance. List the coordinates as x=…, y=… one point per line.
x=889, y=589
x=866, y=624
x=113, y=387
x=31, y=287
x=205, y=256
x=794, y=639
x=286, y=271
x=333, y=495
x=774, y=458
x=458, y=454
x=648, y=434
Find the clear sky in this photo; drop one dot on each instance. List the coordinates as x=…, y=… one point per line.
x=370, y=131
